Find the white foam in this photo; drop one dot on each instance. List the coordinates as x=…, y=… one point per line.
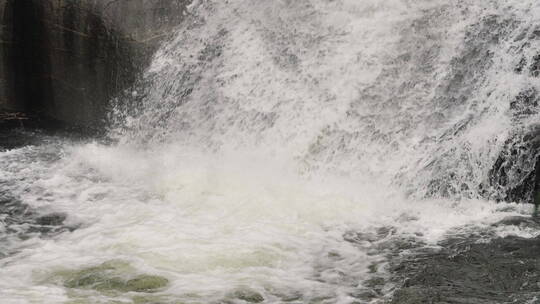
x=268, y=131
x=211, y=223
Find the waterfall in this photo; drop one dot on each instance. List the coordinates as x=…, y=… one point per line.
x=282, y=151
x=421, y=96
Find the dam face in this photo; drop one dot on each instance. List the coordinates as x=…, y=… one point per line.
x=65, y=60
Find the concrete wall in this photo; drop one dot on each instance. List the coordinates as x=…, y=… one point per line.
x=65, y=59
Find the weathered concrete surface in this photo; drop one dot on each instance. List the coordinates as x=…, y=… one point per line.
x=65, y=59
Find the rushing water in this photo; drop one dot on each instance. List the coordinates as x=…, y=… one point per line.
x=277, y=151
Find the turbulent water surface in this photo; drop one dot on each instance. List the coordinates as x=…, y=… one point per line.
x=282, y=152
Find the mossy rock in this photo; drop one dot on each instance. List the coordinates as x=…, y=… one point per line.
x=106, y=276
x=146, y=283
x=248, y=295
x=112, y=276
x=373, y=268
x=98, y=282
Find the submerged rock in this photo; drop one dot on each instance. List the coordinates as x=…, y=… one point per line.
x=21, y=222
x=102, y=277
x=468, y=270
x=112, y=276
x=52, y=219
x=146, y=283
x=248, y=295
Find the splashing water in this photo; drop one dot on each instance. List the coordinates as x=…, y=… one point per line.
x=274, y=149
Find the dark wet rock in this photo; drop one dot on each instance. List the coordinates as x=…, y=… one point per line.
x=21, y=222
x=411, y=295
x=248, y=295
x=53, y=219
x=515, y=176
x=525, y=104
x=467, y=270
x=515, y=173
x=534, y=69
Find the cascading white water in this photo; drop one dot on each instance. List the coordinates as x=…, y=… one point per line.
x=265, y=132
x=360, y=87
